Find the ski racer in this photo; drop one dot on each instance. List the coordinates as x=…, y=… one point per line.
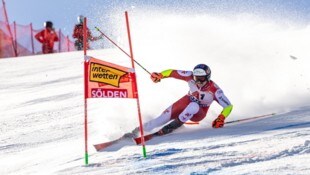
x=78, y=34
x=194, y=105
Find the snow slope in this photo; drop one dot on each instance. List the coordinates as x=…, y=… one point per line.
x=41, y=109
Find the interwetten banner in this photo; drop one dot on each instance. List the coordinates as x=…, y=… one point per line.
x=108, y=80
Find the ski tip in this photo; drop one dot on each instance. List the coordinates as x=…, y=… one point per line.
x=97, y=147
x=101, y=146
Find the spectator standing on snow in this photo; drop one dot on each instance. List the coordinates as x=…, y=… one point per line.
x=78, y=34
x=47, y=37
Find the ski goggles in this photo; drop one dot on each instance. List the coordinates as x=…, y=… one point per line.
x=200, y=79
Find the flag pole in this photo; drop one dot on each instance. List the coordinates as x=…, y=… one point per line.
x=136, y=87
x=86, y=65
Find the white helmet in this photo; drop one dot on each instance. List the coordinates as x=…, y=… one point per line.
x=80, y=19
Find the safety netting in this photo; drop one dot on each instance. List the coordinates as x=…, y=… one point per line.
x=18, y=40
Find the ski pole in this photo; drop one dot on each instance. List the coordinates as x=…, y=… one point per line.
x=251, y=118
x=121, y=49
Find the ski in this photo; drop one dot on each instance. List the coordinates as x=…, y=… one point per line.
x=102, y=146
x=148, y=137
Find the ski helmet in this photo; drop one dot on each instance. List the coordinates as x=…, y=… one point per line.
x=48, y=24
x=80, y=19
x=202, y=73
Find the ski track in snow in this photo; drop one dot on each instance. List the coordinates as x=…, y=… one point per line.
x=210, y=154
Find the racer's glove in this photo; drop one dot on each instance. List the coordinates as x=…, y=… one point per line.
x=219, y=121
x=156, y=77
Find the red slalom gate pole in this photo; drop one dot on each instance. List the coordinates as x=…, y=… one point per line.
x=85, y=36
x=135, y=82
x=86, y=65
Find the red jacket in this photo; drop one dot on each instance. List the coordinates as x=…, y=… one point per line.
x=78, y=34
x=47, y=37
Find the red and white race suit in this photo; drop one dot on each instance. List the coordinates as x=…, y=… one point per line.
x=192, y=106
